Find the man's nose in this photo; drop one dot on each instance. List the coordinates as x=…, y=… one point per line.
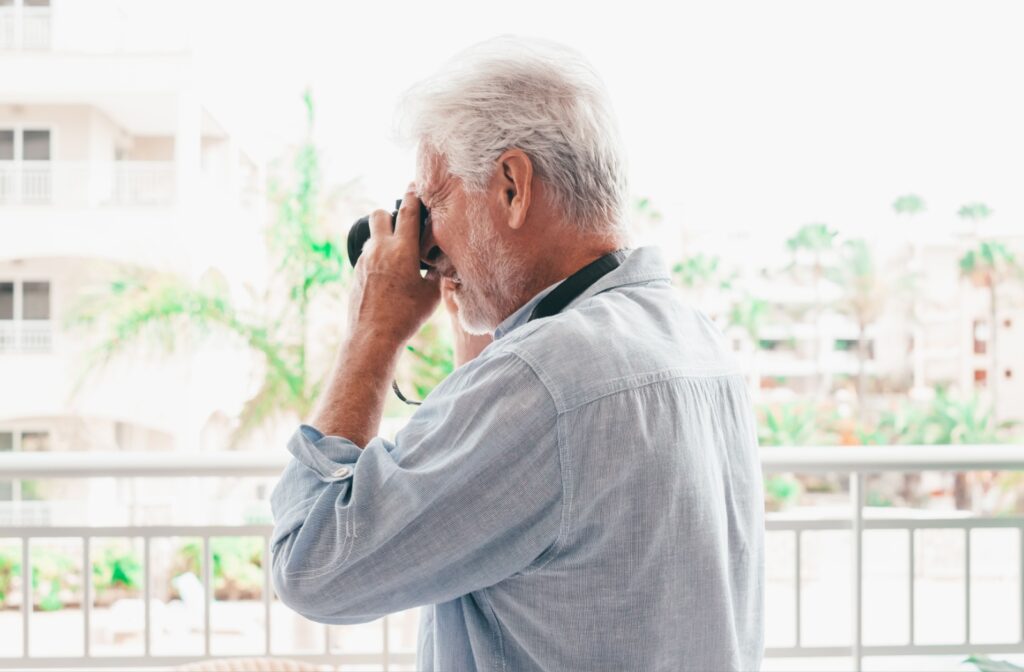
x=429, y=250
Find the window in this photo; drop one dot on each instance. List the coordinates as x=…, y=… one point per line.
x=29, y=300
x=6, y=446
x=980, y=337
x=6, y=144
x=30, y=144
x=6, y=300
x=25, y=313
x=35, y=301
x=35, y=145
x=980, y=377
x=35, y=442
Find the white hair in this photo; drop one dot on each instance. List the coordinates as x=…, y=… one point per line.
x=534, y=95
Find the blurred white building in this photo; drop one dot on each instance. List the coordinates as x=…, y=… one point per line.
x=110, y=153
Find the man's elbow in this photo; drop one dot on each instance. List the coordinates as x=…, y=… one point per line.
x=313, y=595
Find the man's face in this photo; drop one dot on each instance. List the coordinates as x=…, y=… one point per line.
x=490, y=277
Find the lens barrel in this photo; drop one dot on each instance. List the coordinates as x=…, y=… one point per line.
x=360, y=233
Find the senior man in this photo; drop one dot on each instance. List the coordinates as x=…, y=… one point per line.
x=584, y=491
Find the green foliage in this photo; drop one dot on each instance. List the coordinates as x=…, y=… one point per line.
x=782, y=490
x=10, y=567
x=749, y=314
x=237, y=564
x=815, y=238
x=990, y=264
x=951, y=421
x=974, y=211
x=435, y=360
x=699, y=271
x=987, y=664
x=644, y=208
x=116, y=565
x=944, y=421
x=55, y=570
x=791, y=424
x=139, y=305
x=908, y=204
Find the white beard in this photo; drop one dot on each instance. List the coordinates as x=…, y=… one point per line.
x=492, y=281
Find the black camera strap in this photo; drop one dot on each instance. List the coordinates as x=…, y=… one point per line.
x=562, y=295
x=577, y=283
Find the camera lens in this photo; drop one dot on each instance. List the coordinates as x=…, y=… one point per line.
x=360, y=233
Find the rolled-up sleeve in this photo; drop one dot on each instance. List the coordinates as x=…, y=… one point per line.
x=469, y=493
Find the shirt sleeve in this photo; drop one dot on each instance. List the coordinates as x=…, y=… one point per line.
x=468, y=494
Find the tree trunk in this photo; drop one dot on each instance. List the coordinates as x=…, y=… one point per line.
x=862, y=355
x=822, y=382
x=961, y=496
x=994, y=375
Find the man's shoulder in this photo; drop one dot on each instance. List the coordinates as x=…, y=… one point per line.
x=616, y=340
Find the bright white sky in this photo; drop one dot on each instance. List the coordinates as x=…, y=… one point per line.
x=762, y=114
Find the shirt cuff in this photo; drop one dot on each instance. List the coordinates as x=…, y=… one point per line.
x=319, y=461
x=332, y=458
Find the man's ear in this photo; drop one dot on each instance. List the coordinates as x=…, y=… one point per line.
x=515, y=177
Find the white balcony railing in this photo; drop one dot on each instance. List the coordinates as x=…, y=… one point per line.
x=24, y=27
x=74, y=183
x=26, y=335
x=856, y=520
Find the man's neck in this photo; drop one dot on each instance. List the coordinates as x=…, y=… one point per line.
x=552, y=270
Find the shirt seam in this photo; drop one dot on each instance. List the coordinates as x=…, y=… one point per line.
x=497, y=628
x=564, y=472
x=669, y=379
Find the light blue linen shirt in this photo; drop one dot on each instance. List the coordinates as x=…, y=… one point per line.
x=586, y=494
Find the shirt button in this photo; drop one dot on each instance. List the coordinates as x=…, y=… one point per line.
x=341, y=472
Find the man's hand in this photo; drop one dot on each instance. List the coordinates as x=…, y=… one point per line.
x=467, y=346
x=389, y=299
x=389, y=302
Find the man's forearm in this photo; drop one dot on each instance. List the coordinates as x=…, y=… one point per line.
x=352, y=404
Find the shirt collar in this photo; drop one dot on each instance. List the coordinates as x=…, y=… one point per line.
x=641, y=265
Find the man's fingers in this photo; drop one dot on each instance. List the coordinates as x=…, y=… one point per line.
x=408, y=227
x=380, y=224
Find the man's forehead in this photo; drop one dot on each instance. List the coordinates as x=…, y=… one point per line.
x=430, y=175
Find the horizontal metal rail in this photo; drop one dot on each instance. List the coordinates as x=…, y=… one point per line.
x=854, y=461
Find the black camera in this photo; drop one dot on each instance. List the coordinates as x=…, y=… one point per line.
x=360, y=233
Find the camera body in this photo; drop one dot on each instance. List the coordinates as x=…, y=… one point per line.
x=360, y=232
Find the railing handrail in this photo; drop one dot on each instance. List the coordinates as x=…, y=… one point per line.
x=801, y=459
x=44, y=163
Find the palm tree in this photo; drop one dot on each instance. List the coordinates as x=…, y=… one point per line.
x=988, y=266
x=866, y=292
x=910, y=205
x=816, y=240
x=310, y=267
x=976, y=212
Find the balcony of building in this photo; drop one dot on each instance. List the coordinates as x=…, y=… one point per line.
x=85, y=184
x=25, y=25
x=76, y=175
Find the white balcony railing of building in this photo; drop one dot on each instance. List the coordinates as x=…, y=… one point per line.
x=81, y=183
x=26, y=336
x=856, y=520
x=25, y=27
